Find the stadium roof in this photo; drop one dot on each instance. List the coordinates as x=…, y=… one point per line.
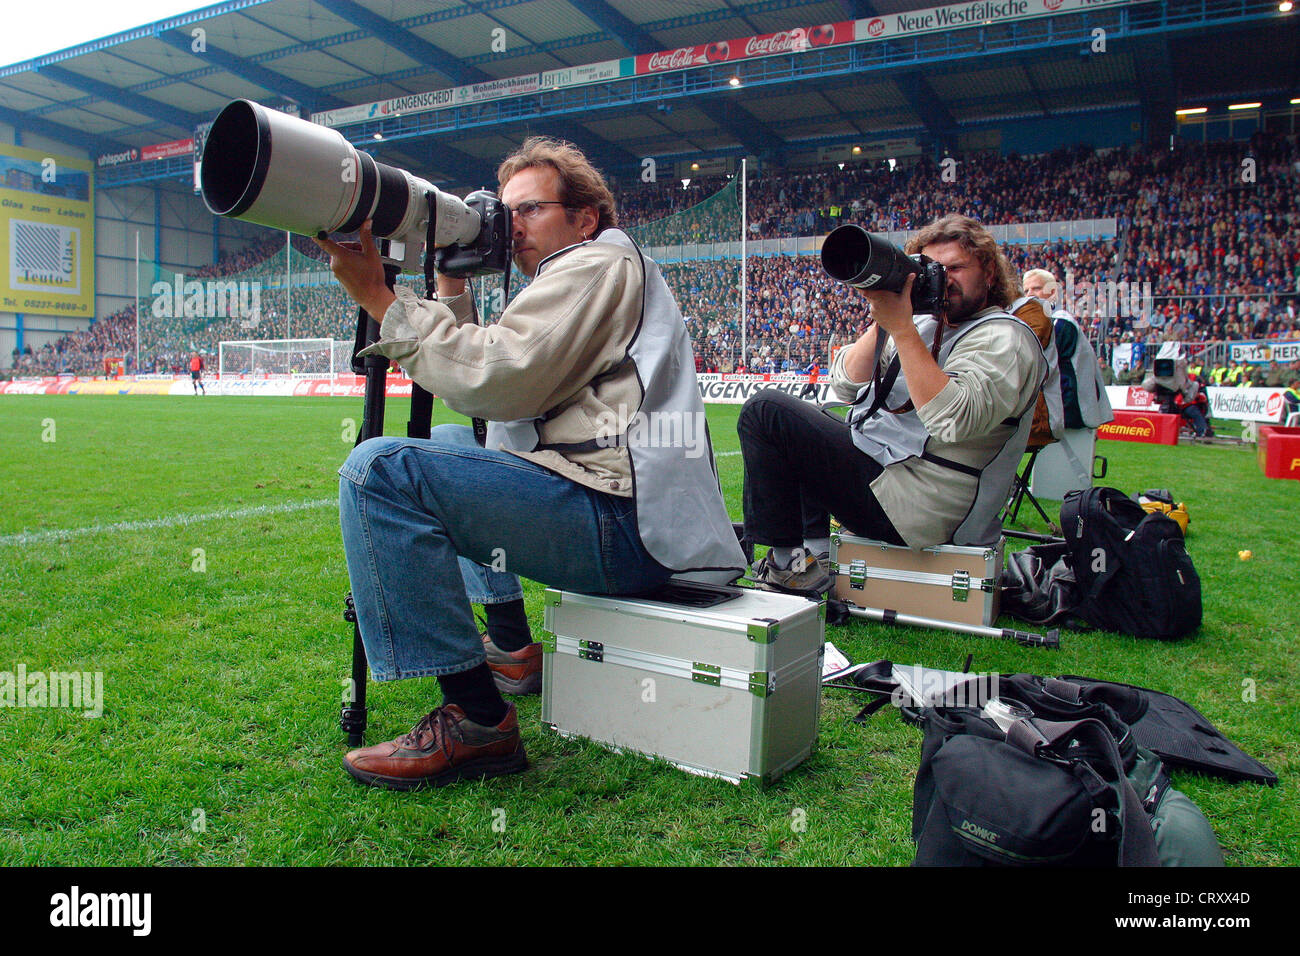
x=889, y=75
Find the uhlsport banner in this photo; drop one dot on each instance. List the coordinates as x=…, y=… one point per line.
x=47, y=240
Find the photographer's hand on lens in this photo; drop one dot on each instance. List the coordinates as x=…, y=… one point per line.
x=892, y=311
x=360, y=271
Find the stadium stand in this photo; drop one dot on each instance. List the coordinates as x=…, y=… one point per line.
x=1222, y=263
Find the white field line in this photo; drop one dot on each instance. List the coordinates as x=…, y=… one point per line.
x=170, y=521
x=24, y=538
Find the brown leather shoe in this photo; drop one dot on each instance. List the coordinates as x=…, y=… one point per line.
x=445, y=746
x=515, y=672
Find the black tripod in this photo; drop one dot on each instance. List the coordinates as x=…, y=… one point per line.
x=375, y=368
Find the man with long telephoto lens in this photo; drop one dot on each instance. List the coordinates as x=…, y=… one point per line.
x=566, y=491
x=932, y=439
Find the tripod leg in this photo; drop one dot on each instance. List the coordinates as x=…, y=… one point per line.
x=353, y=717
x=375, y=368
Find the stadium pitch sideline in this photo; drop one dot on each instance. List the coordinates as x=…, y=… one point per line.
x=170, y=521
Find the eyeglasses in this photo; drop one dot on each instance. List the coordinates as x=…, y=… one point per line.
x=529, y=208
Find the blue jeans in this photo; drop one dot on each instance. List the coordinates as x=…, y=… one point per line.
x=421, y=519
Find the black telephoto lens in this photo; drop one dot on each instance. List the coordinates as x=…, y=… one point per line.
x=853, y=255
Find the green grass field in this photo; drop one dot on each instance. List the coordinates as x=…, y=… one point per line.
x=189, y=550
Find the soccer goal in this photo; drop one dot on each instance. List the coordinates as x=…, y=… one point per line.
x=281, y=358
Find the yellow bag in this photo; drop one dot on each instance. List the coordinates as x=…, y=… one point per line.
x=1177, y=511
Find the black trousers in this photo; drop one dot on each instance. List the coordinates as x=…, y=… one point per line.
x=801, y=467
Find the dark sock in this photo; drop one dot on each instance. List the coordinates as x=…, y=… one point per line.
x=474, y=692
x=507, y=625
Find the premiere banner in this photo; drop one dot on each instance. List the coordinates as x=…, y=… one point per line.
x=47, y=239
x=1151, y=427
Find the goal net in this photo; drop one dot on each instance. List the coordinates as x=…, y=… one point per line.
x=301, y=358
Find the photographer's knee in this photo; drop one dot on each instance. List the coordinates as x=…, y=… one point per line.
x=357, y=467
x=756, y=409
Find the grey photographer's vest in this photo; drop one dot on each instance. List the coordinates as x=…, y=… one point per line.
x=1089, y=388
x=888, y=438
x=681, y=517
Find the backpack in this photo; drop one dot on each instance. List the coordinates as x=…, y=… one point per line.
x=1066, y=786
x=1131, y=569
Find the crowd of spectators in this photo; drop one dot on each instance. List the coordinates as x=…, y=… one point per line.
x=1207, y=249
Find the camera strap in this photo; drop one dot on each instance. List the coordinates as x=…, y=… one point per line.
x=479, y=425
x=882, y=387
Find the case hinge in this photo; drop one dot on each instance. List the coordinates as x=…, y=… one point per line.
x=960, y=585
x=591, y=650
x=858, y=574
x=760, y=685
x=547, y=641
x=706, y=673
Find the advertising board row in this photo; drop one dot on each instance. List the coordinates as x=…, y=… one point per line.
x=726, y=50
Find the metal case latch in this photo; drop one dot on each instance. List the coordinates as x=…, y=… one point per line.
x=858, y=574
x=591, y=650
x=960, y=585
x=706, y=673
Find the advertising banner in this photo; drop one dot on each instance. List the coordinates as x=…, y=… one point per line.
x=177, y=147
x=1149, y=427
x=978, y=13
x=720, y=389
x=1279, y=452
x=797, y=40
x=47, y=239
x=1247, y=404
x=1284, y=352
x=432, y=100
x=1237, y=404
x=590, y=73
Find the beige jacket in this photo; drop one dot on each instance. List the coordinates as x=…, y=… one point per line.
x=558, y=354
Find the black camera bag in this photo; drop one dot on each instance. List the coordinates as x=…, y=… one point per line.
x=1044, y=794
x=1132, y=568
x=1119, y=568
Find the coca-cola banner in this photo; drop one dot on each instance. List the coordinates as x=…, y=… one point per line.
x=798, y=40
